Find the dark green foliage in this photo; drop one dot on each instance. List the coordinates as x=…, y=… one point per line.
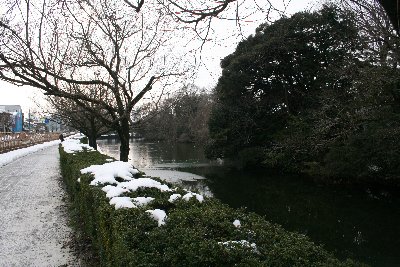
x=129, y=237
x=276, y=74
x=349, y=139
x=301, y=95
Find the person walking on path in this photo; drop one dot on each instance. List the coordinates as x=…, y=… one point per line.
x=33, y=221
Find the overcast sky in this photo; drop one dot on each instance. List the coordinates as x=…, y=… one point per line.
x=208, y=73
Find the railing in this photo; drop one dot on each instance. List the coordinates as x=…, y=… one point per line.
x=12, y=141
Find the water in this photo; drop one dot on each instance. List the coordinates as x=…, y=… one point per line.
x=165, y=160
x=362, y=224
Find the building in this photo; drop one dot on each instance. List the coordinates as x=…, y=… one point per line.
x=10, y=108
x=17, y=117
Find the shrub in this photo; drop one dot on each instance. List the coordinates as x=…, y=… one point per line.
x=195, y=234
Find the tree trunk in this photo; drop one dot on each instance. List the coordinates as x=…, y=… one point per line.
x=92, y=133
x=123, y=134
x=93, y=141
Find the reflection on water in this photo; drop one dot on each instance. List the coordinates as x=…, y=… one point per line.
x=358, y=224
x=156, y=155
x=160, y=159
x=352, y=223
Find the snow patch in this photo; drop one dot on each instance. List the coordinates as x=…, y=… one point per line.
x=236, y=223
x=113, y=191
x=174, y=197
x=107, y=188
x=189, y=195
x=158, y=215
x=122, y=202
x=142, y=201
x=73, y=145
x=134, y=184
x=107, y=172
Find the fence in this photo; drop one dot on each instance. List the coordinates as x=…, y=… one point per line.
x=11, y=141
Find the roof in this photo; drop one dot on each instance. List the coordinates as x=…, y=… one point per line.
x=10, y=108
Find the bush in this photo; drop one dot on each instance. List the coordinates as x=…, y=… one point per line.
x=195, y=234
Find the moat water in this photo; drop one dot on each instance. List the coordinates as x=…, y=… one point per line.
x=362, y=224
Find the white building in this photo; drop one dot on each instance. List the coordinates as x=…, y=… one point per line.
x=10, y=108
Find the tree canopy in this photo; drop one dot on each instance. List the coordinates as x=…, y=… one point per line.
x=303, y=94
x=392, y=8
x=65, y=48
x=276, y=73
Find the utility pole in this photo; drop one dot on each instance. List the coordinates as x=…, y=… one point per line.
x=29, y=120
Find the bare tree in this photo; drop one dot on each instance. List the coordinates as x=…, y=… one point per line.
x=64, y=48
x=392, y=8
x=70, y=113
x=376, y=27
x=6, y=121
x=199, y=11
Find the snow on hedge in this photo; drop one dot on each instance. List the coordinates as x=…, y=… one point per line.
x=133, y=185
x=174, y=197
x=189, y=195
x=142, y=201
x=236, y=223
x=107, y=172
x=73, y=145
x=113, y=191
x=127, y=202
x=122, y=202
x=158, y=215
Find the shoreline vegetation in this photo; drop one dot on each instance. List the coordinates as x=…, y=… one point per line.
x=133, y=220
x=308, y=94
x=371, y=182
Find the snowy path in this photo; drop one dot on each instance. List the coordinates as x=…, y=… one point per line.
x=33, y=230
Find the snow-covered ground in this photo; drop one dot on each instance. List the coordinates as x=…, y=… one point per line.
x=33, y=221
x=8, y=157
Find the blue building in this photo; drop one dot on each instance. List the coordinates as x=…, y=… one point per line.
x=17, y=116
x=18, y=122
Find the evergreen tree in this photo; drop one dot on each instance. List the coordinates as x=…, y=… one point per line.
x=276, y=74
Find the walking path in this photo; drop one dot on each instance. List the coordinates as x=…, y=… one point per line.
x=33, y=219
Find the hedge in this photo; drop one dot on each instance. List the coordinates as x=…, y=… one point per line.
x=195, y=234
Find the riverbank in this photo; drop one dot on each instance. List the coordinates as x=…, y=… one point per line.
x=168, y=229
x=352, y=222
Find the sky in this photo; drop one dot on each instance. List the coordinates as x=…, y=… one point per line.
x=207, y=74
x=210, y=71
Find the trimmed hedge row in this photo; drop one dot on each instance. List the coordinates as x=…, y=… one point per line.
x=192, y=234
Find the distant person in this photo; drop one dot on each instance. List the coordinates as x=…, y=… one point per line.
x=61, y=137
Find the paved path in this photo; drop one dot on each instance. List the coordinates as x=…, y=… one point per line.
x=33, y=223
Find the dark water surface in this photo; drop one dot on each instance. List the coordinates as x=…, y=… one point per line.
x=362, y=224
